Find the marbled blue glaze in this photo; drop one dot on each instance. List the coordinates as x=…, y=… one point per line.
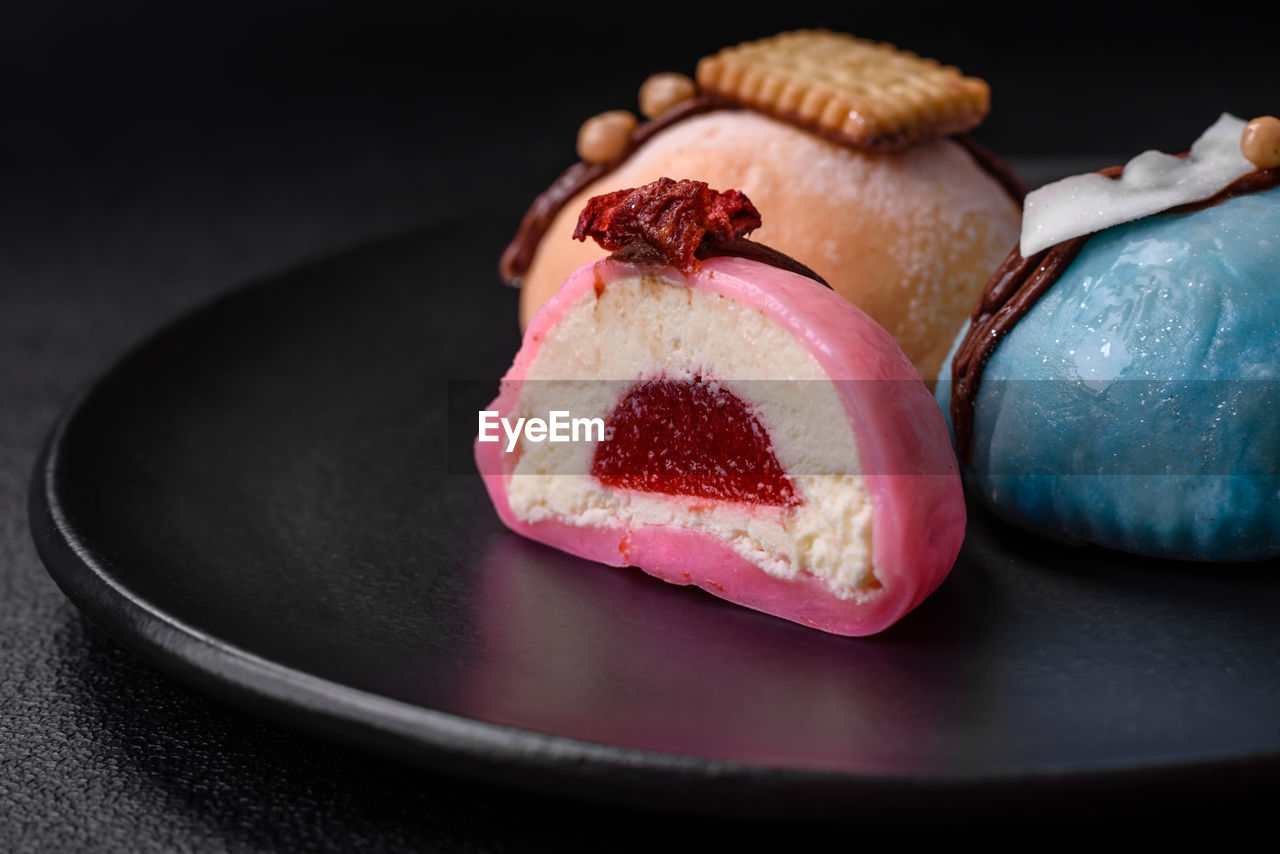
x=1137, y=405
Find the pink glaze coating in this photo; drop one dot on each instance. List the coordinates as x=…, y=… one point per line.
x=918, y=513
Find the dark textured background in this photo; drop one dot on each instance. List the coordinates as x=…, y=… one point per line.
x=154, y=156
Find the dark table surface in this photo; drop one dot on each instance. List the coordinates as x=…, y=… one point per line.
x=152, y=160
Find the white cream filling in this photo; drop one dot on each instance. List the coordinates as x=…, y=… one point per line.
x=1152, y=182
x=646, y=327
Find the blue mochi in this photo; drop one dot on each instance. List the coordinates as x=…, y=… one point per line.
x=1137, y=404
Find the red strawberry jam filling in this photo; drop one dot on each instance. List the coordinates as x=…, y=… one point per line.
x=690, y=438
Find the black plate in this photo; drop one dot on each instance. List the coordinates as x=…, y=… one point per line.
x=267, y=501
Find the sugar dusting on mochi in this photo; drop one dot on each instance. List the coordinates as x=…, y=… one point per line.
x=1152, y=182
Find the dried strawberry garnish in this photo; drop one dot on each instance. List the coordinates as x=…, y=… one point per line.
x=666, y=221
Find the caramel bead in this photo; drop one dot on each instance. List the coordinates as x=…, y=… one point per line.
x=605, y=137
x=1260, y=143
x=662, y=91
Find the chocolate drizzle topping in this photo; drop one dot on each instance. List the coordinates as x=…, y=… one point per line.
x=518, y=256
x=719, y=247
x=1009, y=295
x=739, y=247
x=1020, y=282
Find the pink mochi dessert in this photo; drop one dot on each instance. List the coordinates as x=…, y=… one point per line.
x=755, y=434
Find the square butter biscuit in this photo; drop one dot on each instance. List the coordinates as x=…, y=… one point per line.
x=860, y=93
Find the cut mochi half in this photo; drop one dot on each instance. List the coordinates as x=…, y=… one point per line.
x=763, y=439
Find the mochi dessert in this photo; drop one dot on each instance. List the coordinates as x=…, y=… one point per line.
x=1119, y=382
x=760, y=437
x=858, y=151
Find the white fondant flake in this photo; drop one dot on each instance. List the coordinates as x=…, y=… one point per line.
x=1152, y=182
